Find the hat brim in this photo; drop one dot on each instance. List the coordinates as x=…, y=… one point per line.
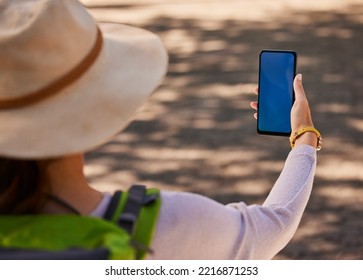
x=91, y=110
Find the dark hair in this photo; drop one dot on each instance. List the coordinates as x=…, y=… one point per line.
x=20, y=191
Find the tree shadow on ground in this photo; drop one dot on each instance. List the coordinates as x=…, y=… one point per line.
x=196, y=133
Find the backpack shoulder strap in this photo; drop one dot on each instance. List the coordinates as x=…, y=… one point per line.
x=131, y=211
x=136, y=211
x=112, y=206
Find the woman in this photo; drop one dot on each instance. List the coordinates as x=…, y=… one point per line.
x=68, y=85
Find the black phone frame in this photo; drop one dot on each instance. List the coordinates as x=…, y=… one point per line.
x=274, y=133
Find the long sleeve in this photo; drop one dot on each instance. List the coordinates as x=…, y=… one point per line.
x=191, y=226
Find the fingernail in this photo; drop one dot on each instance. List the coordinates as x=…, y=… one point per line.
x=299, y=77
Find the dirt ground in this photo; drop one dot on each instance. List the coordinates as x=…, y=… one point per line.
x=197, y=133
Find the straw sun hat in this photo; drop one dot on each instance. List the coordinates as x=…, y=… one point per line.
x=67, y=84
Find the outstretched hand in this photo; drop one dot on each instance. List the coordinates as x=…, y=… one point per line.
x=300, y=113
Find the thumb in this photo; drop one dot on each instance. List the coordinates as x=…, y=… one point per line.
x=298, y=88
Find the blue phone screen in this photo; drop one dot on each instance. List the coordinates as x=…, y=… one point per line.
x=276, y=96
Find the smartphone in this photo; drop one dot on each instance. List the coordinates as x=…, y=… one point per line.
x=277, y=69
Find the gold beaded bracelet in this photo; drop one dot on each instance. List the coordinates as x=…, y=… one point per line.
x=301, y=131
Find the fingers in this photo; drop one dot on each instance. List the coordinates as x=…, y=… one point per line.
x=254, y=105
x=298, y=87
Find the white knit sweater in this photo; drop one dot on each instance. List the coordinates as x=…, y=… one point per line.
x=192, y=226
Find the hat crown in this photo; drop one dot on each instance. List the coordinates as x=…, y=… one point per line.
x=40, y=41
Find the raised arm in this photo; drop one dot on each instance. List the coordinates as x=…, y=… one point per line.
x=191, y=226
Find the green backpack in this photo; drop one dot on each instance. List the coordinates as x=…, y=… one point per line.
x=124, y=232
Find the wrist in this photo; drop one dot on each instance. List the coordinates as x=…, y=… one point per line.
x=308, y=136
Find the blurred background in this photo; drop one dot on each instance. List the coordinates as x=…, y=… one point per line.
x=197, y=132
